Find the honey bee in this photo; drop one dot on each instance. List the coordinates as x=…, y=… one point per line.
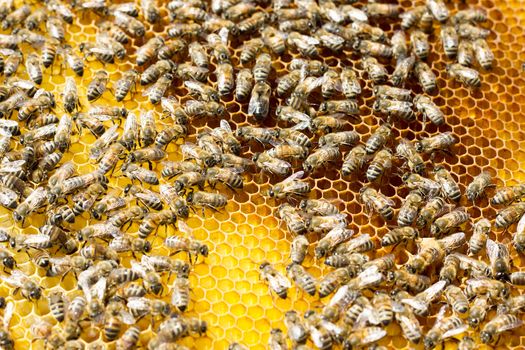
x=421, y=302
x=277, y=340
x=399, y=45
x=55, y=28
x=298, y=249
x=262, y=67
x=172, y=169
x=124, y=85
x=457, y=299
x=259, y=105
x=469, y=15
x=28, y=288
x=402, y=71
x=360, y=244
x=291, y=115
x=333, y=280
x=399, y=235
x=278, y=283
x=449, y=186
x=507, y=195
x=290, y=186
x=365, y=335
x=156, y=70
x=288, y=152
x=8, y=197
x=129, y=24
x=348, y=107
x=419, y=42
x=465, y=75
x=180, y=293
x=426, y=186
x=471, y=32
x=301, y=25
x=288, y=82
x=218, y=43
x=255, y=22
x=330, y=40
x=483, y=54
x=442, y=329
x=354, y=160
x=499, y=257
x=448, y=221
x=169, y=134
x=509, y=215
x=302, y=278
x=198, y=109
x=33, y=68
x=485, y=286
x=440, y=142
x=16, y=17
x=121, y=217
x=425, y=76
x=209, y=200
x=372, y=49
x=318, y=207
x=306, y=45
x=407, y=281
x=62, y=266
x=428, y=109
x=478, y=186
x=70, y=95
x=394, y=108
x=102, y=50
x=475, y=268
x=498, y=325
x=478, y=311
x=33, y=202
x=191, y=151
x=465, y=53
x=148, y=154
x=375, y=70
x=376, y=201
x=478, y=240
x=43, y=100
x=274, y=39
x=156, y=91
x=97, y=86
x=198, y=55
x=321, y=157
x=225, y=80
x=244, y=84
x=380, y=164
x=206, y=92
x=135, y=172
x=333, y=238
x=36, y=18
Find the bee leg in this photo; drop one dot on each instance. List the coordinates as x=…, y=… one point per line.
x=15, y=291
x=150, y=165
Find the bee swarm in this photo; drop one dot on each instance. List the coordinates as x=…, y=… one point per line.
x=252, y=174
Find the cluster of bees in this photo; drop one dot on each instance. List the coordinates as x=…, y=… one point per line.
x=316, y=105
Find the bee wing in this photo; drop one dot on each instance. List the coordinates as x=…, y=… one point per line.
x=127, y=317
x=168, y=102
x=138, y=303
x=458, y=330
x=188, y=149
x=342, y=223
x=139, y=268
x=496, y=251
x=183, y=227
x=7, y=195
x=224, y=32
x=23, y=84
x=432, y=292
x=296, y=176
x=369, y=277
x=37, y=239
x=368, y=316
x=302, y=125
x=453, y=241
x=374, y=335
x=510, y=325
x=8, y=314
x=4, y=236
x=521, y=224
x=278, y=281
x=16, y=278
x=12, y=167
x=276, y=167
x=120, y=244
x=193, y=85
x=98, y=290
x=225, y=125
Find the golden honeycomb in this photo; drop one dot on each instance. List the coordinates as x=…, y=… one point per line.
x=226, y=289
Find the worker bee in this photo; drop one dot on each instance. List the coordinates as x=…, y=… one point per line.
x=494, y=289
x=298, y=249
x=124, y=85
x=321, y=157
x=447, y=222
x=449, y=40
x=403, y=68
x=33, y=202
x=399, y=45
x=181, y=293
x=483, y=54
x=28, y=288
x=218, y=43
x=354, y=160
x=55, y=28
x=306, y=45
x=250, y=49
x=372, y=49
x=517, y=278
x=274, y=39
x=73, y=61
x=198, y=55
x=425, y=186
x=148, y=154
x=8, y=197
x=440, y=142
x=33, y=68
x=470, y=31
x=407, y=281
x=225, y=81
x=135, y=172
x=497, y=325
x=376, y=201
x=478, y=311
x=172, y=169
x=375, y=70
x=290, y=186
x=425, y=76
x=399, y=235
x=70, y=95
x=379, y=138
x=277, y=340
x=156, y=70
x=296, y=330
x=428, y=109
x=287, y=83
x=499, y=257
x=262, y=67
x=244, y=84
x=97, y=86
x=348, y=107
x=390, y=92
x=478, y=240
x=469, y=15
x=381, y=163
x=318, y=207
x=410, y=208
x=443, y=329
x=465, y=75
x=43, y=100
x=123, y=216
x=478, y=186
x=16, y=17
x=350, y=85
x=449, y=186
x=278, y=283
x=191, y=151
x=57, y=305
x=333, y=238
x=509, y=215
x=206, y=92
x=198, y=109
x=156, y=91
x=365, y=335
x=302, y=279
x=394, y=108
x=203, y=199
x=405, y=149
x=259, y=104
x=457, y=299
x=507, y=195
x=465, y=53
x=129, y=24
x=291, y=115
x=475, y=268
x=419, y=42
x=34, y=20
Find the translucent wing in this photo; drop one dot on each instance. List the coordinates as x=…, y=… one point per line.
x=8, y=314
x=368, y=316
x=188, y=150
x=341, y=218
x=496, y=251
x=508, y=325
x=277, y=166
x=521, y=225
x=168, y=103
x=225, y=125
x=458, y=330
x=183, y=227
x=98, y=290
x=374, y=335
x=12, y=167
x=16, y=278
x=357, y=242
x=223, y=34
x=416, y=304
x=453, y=241
x=138, y=303
x=344, y=296
x=127, y=317
x=37, y=239
x=296, y=176
x=278, y=281
x=301, y=126
x=369, y=277
x=433, y=291
x=193, y=85
x=139, y=268
x=120, y=244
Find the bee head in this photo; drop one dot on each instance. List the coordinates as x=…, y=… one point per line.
x=9, y=262
x=147, y=247
x=35, y=294
x=203, y=250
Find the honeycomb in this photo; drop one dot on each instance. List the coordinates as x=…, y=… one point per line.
x=226, y=289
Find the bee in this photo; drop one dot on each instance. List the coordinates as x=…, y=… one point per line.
x=509, y=215
x=8, y=197
x=409, y=324
x=330, y=40
x=457, y=299
x=447, y=222
x=375, y=70
x=198, y=109
x=255, y=22
x=129, y=339
x=16, y=17
x=148, y=154
x=438, y=9
x=430, y=251
x=321, y=157
x=28, y=288
x=296, y=330
x=425, y=76
x=129, y=24
x=97, y=86
x=475, y=268
x=169, y=134
x=156, y=91
x=379, y=138
x=348, y=107
x=288, y=82
x=55, y=28
x=469, y=31
x=372, y=49
x=124, y=85
x=306, y=45
x=410, y=208
x=403, y=68
x=334, y=280
x=198, y=55
x=399, y=45
x=350, y=85
x=449, y=186
x=407, y=281
x=309, y=67
x=419, y=42
x=278, y=283
x=498, y=325
x=203, y=199
x=333, y=238
x=291, y=115
x=399, y=235
x=191, y=151
x=469, y=15
x=318, y=207
x=376, y=201
x=382, y=302
x=429, y=110
x=218, y=43
x=70, y=95
x=507, y=195
x=259, y=104
x=288, y=151
x=465, y=75
x=302, y=279
x=426, y=186
x=225, y=81
x=494, y=289
x=478, y=240
x=206, y=92
x=33, y=202
x=365, y=335
x=34, y=20
x=478, y=186
x=394, y=108
x=274, y=39
x=120, y=218
x=483, y=54
x=390, y=92
x=244, y=84
x=171, y=49
x=277, y=340
x=354, y=160
x=149, y=50
x=442, y=329
x=42, y=101
x=449, y=40
x=478, y=311
x=156, y=70
x=135, y=172
x=298, y=249
x=465, y=53
x=180, y=293
x=228, y=176
x=262, y=67
x=380, y=164
x=172, y=169
x=442, y=141
x=499, y=257
x=33, y=68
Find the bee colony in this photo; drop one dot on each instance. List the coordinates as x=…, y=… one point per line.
x=232, y=174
